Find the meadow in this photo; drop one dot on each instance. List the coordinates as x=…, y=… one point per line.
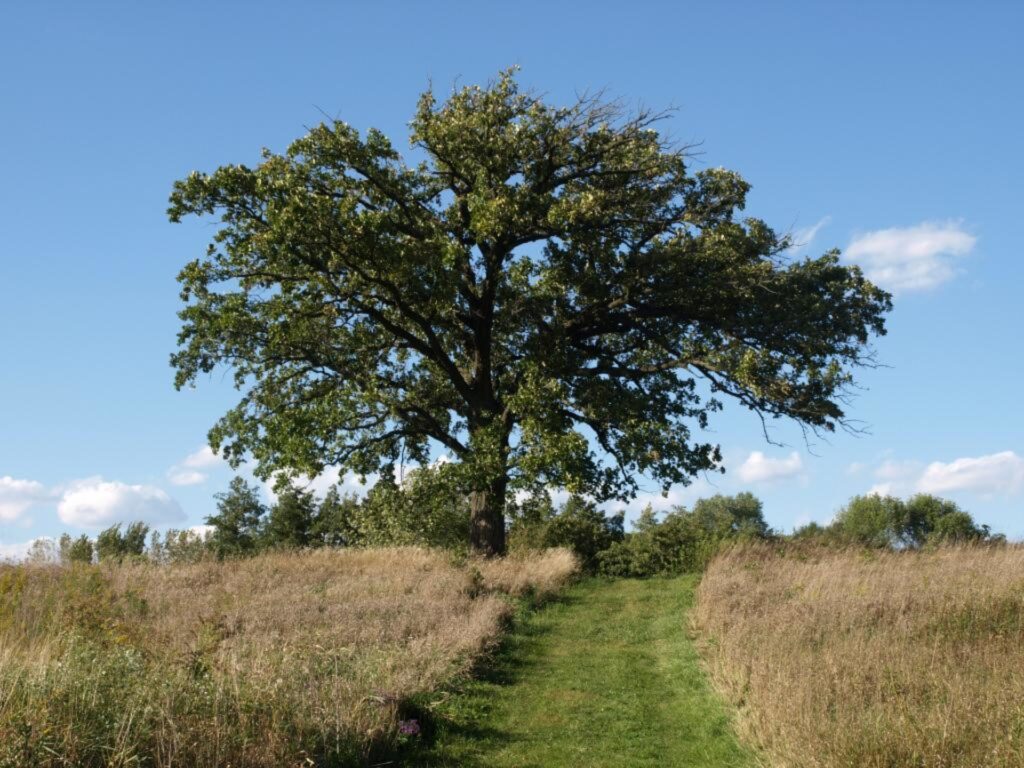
x=791, y=653
x=285, y=659
x=870, y=658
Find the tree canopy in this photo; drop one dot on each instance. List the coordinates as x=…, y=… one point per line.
x=547, y=293
x=887, y=521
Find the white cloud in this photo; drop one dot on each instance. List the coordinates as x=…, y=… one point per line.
x=558, y=496
x=204, y=458
x=322, y=483
x=188, y=470
x=896, y=478
x=47, y=548
x=911, y=258
x=95, y=502
x=802, y=238
x=17, y=496
x=759, y=468
x=997, y=473
x=186, y=477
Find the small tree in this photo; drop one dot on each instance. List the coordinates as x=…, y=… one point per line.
x=529, y=518
x=739, y=516
x=583, y=528
x=813, y=532
x=78, y=550
x=114, y=546
x=684, y=541
x=646, y=521
x=179, y=546
x=578, y=525
x=932, y=520
x=874, y=521
x=239, y=519
x=547, y=279
x=336, y=523
x=427, y=507
x=134, y=539
x=886, y=521
x=291, y=520
x=957, y=527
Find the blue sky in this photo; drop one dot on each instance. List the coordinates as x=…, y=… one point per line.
x=888, y=130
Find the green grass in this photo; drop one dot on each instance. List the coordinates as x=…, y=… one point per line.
x=605, y=677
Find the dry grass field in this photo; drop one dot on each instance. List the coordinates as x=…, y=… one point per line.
x=287, y=659
x=871, y=659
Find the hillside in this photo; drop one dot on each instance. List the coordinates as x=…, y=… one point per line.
x=871, y=658
x=286, y=659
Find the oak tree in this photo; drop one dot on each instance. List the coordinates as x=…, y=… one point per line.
x=549, y=294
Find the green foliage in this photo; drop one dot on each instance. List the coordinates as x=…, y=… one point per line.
x=886, y=521
x=814, y=532
x=238, y=522
x=958, y=526
x=685, y=540
x=114, y=546
x=179, y=546
x=579, y=526
x=427, y=508
x=740, y=516
x=932, y=520
x=545, y=275
x=873, y=521
x=291, y=520
x=78, y=550
x=583, y=528
x=528, y=520
x=337, y=520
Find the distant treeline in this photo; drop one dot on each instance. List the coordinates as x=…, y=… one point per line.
x=426, y=509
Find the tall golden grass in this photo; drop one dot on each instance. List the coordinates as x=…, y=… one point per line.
x=288, y=659
x=850, y=658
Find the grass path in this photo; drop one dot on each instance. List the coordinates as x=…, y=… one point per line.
x=604, y=678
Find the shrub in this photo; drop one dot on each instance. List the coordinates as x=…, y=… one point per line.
x=78, y=550
x=873, y=521
x=177, y=546
x=933, y=520
x=578, y=526
x=886, y=521
x=114, y=546
x=584, y=529
x=686, y=540
x=426, y=508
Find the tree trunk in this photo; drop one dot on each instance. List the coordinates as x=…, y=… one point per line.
x=487, y=519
